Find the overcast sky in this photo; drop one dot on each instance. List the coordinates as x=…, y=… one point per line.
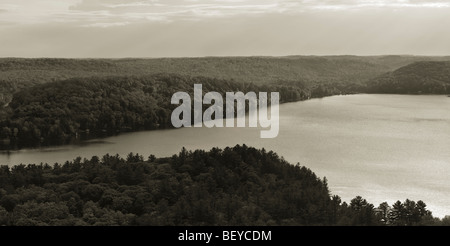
x=180, y=28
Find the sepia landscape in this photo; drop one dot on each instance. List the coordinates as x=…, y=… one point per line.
x=87, y=135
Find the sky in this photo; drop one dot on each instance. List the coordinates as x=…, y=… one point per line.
x=197, y=28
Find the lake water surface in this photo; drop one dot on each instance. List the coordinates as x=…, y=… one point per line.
x=381, y=147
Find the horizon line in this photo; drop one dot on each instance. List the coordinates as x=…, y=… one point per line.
x=218, y=56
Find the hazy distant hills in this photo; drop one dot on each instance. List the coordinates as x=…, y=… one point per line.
x=342, y=71
x=425, y=77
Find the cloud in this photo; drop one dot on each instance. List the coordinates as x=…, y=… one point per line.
x=179, y=8
x=108, y=24
x=159, y=28
x=372, y=4
x=110, y=12
x=94, y=5
x=275, y=34
x=172, y=10
x=187, y=10
x=31, y=12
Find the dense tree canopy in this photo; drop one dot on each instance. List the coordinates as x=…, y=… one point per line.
x=417, y=78
x=19, y=73
x=57, y=112
x=55, y=101
x=232, y=186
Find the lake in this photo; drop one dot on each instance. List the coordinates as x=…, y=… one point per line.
x=381, y=147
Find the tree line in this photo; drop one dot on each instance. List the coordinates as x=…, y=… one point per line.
x=57, y=101
x=79, y=108
x=21, y=73
x=431, y=77
x=237, y=185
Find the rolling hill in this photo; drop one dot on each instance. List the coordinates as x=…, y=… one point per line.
x=426, y=77
x=344, y=72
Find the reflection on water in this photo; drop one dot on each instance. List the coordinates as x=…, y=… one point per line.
x=382, y=147
x=94, y=141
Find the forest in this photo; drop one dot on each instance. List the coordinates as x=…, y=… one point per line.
x=235, y=186
x=58, y=101
x=417, y=78
x=59, y=112
x=341, y=71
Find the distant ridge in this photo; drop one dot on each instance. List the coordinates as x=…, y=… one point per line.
x=424, y=77
x=341, y=71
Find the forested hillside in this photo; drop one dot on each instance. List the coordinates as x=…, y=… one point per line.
x=17, y=74
x=237, y=185
x=53, y=101
x=342, y=71
x=417, y=78
x=57, y=112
